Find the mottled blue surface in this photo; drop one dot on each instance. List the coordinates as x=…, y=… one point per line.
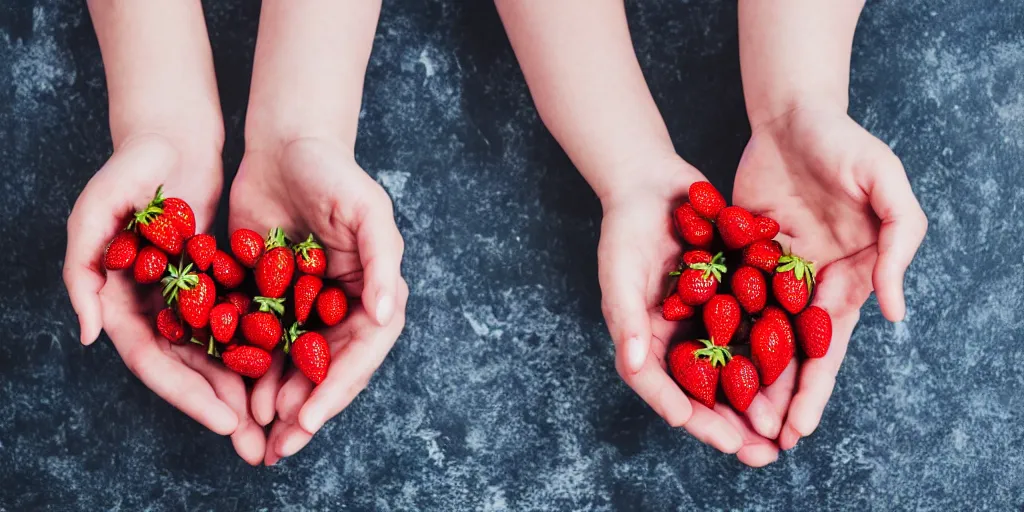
x=501, y=394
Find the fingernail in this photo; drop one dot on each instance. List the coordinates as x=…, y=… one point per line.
x=635, y=354
x=291, y=446
x=312, y=421
x=385, y=307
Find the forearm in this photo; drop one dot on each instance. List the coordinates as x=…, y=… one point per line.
x=159, y=69
x=795, y=53
x=582, y=71
x=310, y=62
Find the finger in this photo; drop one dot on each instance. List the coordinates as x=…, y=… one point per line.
x=903, y=228
x=380, y=253
x=767, y=411
x=818, y=378
x=248, y=438
x=659, y=391
x=286, y=436
x=712, y=429
x=756, y=451
x=265, y=391
x=352, y=366
x=623, y=293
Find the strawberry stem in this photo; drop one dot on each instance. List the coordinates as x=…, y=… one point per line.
x=276, y=238
x=717, y=355
x=268, y=304
x=183, y=279
x=304, y=247
x=291, y=335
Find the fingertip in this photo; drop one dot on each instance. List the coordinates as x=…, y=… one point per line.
x=223, y=420
x=385, y=309
x=311, y=417
x=732, y=443
x=758, y=456
x=788, y=438
x=250, y=445
x=291, y=444
x=889, y=290
x=763, y=417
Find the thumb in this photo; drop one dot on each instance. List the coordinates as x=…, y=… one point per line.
x=903, y=226
x=380, y=253
x=623, y=289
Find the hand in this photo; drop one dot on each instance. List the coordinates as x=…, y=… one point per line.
x=312, y=186
x=638, y=249
x=180, y=374
x=844, y=202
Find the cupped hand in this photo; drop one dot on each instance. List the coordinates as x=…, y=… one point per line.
x=843, y=201
x=180, y=374
x=638, y=249
x=314, y=186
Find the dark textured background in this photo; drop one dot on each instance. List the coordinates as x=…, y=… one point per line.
x=501, y=393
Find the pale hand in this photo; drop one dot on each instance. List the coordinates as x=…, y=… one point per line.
x=313, y=186
x=844, y=202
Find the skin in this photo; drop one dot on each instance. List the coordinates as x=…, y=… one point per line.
x=299, y=172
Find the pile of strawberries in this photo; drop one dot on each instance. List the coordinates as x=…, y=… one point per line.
x=211, y=300
x=759, y=305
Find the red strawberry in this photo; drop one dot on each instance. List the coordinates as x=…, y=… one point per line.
x=200, y=249
x=693, y=229
x=750, y=288
x=306, y=289
x=793, y=282
x=699, y=282
x=705, y=199
x=170, y=326
x=195, y=294
x=765, y=228
x=275, y=268
x=248, y=361
x=331, y=305
x=311, y=355
x=814, y=331
x=247, y=246
x=776, y=313
x=181, y=216
x=240, y=300
x=763, y=255
x=150, y=265
x=771, y=347
x=262, y=328
x=721, y=318
x=740, y=382
x=121, y=251
x=159, y=230
x=310, y=258
x=223, y=321
x=736, y=226
x=226, y=271
x=696, y=368
x=697, y=256
x=673, y=309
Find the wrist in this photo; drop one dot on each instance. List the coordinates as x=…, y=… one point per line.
x=198, y=134
x=657, y=175
x=765, y=110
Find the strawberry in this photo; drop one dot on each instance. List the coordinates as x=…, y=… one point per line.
x=765, y=228
x=740, y=382
x=194, y=293
x=226, y=271
x=763, y=255
x=181, y=216
x=705, y=199
x=262, y=329
x=693, y=229
x=736, y=226
x=156, y=227
x=306, y=289
x=776, y=313
x=793, y=282
x=331, y=305
x=699, y=282
x=150, y=265
x=223, y=321
x=170, y=326
x=771, y=347
x=248, y=361
x=673, y=309
x=201, y=249
x=311, y=355
x=814, y=331
x=750, y=288
x=240, y=300
x=310, y=258
x=697, y=256
x=721, y=318
x=247, y=246
x=275, y=268
x=121, y=251
x=696, y=368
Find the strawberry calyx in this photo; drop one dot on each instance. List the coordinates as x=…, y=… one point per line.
x=268, y=304
x=291, y=335
x=276, y=238
x=183, y=279
x=802, y=269
x=304, y=247
x=717, y=355
x=211, y=346
x=716, y=268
